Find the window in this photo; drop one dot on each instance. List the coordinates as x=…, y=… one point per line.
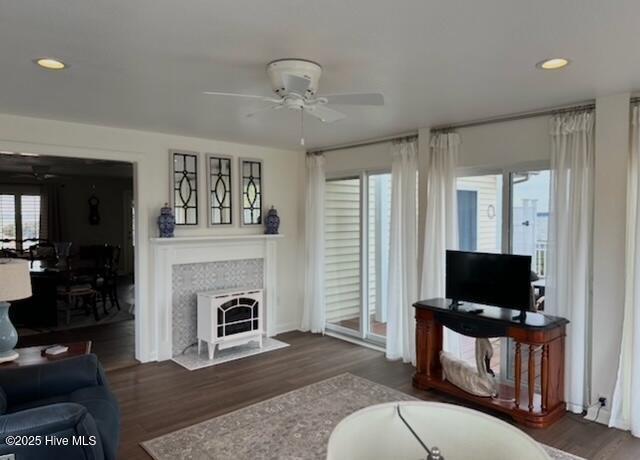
x=30, y=218
x=342, y=253
x=19, y=220
x=514, y=203
x=530, y=217
x=8, y=220
x=378, y=251
x=357, y=224
x=480, y=213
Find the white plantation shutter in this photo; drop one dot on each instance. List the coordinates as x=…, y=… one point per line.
x=8, y=219
x=30, y=218
x=19, y=218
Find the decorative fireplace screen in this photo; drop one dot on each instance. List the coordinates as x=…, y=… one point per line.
x=229, y=318
x=238, y=315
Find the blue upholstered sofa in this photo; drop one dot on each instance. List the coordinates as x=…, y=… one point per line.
x=41, y=406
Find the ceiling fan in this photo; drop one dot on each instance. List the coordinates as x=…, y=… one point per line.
x=38, y=172
x=295, y=83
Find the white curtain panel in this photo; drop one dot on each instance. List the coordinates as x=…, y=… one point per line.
x=403, y=261
x=625, y=407
x=441, y=221
x=570, y=235
x=313, y=317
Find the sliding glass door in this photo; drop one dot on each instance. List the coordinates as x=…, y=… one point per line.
x=357, y=222
x=480, y=213
x=379, y=220
x=506, y=212
x=343, y=274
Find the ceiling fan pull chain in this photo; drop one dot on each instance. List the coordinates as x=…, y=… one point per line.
x=302, y=126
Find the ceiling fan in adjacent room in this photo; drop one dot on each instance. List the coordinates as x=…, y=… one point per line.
x=38, y=172
x=295, y=82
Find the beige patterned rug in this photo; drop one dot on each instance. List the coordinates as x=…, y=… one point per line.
x=295, y=425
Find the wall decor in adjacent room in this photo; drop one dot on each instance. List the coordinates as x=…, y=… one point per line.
x=94, y=211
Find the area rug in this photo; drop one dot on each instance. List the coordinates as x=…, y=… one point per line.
x=295, y=425
x=191, y=360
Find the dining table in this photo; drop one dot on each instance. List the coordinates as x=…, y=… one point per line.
x=40, y=310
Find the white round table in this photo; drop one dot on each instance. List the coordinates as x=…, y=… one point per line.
x=377, y=432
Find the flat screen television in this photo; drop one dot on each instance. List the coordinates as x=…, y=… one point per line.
x=501, y=280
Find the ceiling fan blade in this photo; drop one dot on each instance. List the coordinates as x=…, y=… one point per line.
x=296, y=84
x=355, y=99
x=264, y=109
x=325, y=113
x=250, y=96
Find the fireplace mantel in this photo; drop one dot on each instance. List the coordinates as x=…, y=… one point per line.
x=168, y=252
x=178, y=240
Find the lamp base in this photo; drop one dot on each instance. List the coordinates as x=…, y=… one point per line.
x=7, y=356
x=8, y=335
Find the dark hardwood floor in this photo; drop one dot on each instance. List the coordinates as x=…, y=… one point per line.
x=158, y=398
x=114, y=343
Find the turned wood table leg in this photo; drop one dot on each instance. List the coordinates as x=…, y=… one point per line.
x=428, y=347
x=518, y=373
x=544, y=377
x=532, y=375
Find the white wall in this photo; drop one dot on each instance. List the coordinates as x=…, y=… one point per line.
x=284, y=178
x=74, y=210
x=611, y=156
x=504, y=144
x=374, y=157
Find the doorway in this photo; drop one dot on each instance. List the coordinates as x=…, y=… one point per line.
x=72, y=219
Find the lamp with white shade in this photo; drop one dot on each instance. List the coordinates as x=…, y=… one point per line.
x=15, y=284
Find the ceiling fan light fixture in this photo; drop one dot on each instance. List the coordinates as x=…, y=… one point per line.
x=553, y=63
x=49, y=63
x=295, y=83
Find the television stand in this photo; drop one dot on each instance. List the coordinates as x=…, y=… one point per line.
x=541, y=335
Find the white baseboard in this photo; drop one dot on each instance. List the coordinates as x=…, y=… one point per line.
x=599, y=417
x=287, y=327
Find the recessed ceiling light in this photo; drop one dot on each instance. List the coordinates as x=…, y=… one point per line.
x=51, y=63
x=553, y=63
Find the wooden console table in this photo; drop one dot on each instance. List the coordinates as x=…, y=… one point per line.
x=30, y=356
x=538, y=334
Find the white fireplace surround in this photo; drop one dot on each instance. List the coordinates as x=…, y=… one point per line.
x=168, y=252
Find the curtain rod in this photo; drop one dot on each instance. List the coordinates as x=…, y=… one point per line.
x=587, y=105
x=380, y=140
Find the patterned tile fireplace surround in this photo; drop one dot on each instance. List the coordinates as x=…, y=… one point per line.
x=185, y=266
x=189, y=279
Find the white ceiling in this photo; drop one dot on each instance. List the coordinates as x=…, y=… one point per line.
x=143, y=64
